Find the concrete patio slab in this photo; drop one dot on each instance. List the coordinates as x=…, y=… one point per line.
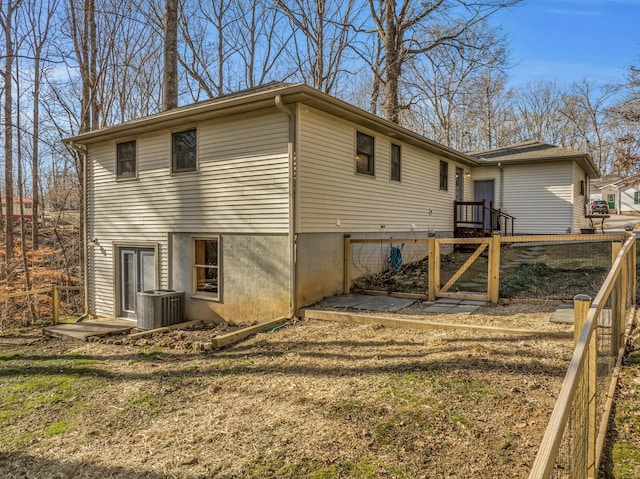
x=362, y=301
x=86, y=329
x=392, y=304
x=564, y=315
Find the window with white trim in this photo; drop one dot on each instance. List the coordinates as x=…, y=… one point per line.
x=206, y=266
x=636, y=197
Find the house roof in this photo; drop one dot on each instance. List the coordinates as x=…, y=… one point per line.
x=616, y=181
x=262, y=98
x=534, y=152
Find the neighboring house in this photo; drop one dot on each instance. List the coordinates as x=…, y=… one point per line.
x=544, y=187
x=243, y=202
x=621, y=193
x=27, y=205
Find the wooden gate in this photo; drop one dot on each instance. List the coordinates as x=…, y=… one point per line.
x=491, y=245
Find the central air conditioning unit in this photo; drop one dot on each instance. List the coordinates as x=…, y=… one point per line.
x=159, y=308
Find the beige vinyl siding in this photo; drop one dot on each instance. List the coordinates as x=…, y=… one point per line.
x=540, y=196
x=241, y=186
x=332, y=191
x=579, y=221
x=627, y=199
x=487, y=173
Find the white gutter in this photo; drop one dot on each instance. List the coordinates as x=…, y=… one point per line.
x=293, y=223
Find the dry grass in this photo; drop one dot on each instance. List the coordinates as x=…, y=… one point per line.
x=312, y=400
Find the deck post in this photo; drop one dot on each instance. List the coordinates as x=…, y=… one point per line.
x=56, y=304
x=631, y=278
x=493, y=273
x=581, y=305
x=617, y=306
x=434, y=263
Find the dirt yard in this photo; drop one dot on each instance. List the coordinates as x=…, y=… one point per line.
x=311, y=400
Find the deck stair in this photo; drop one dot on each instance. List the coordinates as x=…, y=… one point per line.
x=473, y=219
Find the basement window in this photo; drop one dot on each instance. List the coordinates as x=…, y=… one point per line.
x=206, y=267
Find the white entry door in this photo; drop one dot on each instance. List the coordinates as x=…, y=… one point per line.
x=137, y=273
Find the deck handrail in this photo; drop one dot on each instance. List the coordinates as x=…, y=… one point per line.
x=474, y=214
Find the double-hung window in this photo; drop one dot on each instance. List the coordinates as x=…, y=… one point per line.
x=444, y=175
x=364, y=154
x=183, y=151
x=126, y=159
x=395, y=162
x=206, y=267
x=636, y=197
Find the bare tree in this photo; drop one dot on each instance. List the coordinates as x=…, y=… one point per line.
x=490, y=113
x=538, y=112
x=21, y=197
x=585, y=108
x=323, y=30
x=261, y=41
x=170, y=98
x=82, y=25
x=448, y=87
x=8, y=9
x=408, y=28
x=208, y=45
x=39, y=15
x=625, y=117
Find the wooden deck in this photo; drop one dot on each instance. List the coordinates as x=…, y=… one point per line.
x=86, y=329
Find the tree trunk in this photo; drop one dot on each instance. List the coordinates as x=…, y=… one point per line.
x=23, y=233
x=7, y=24
x=35, y=180
x=393, y=68
x=170, y=92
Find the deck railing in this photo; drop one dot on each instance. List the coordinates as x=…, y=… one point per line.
x=482, y=220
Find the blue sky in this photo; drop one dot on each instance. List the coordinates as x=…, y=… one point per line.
x=568, y=40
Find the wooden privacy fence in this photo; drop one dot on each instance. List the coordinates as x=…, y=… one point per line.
x=55, y=295
x=429, y=250
x=575, y=437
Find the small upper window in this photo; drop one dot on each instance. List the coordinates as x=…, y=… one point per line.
x=444, y=175
x=395, y=162
x=126, y=159
x=206, y=266
x=183, y=149
x=364, y=154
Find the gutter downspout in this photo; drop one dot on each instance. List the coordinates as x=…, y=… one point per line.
x=501, y=186
x=293, y=223
x=82, y=151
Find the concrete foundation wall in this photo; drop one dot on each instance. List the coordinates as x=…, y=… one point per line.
x=254, y=278
x=320, y=260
